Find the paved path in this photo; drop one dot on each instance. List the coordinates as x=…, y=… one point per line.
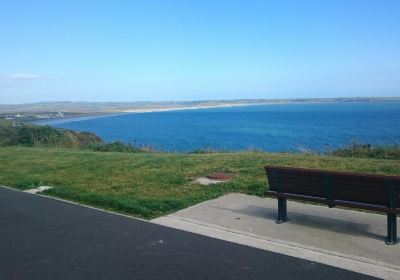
x=347, y=239
x=44, y=238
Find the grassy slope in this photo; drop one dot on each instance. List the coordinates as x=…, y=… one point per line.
x=152, y=184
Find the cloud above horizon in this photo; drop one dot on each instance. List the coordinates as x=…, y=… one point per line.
x=25, y=78
x=22, y=77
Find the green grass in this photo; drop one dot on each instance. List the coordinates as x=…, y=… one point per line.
x=152, y=184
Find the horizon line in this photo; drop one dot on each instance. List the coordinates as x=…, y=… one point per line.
x=209, y=100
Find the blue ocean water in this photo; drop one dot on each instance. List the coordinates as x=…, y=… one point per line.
x=278, y=127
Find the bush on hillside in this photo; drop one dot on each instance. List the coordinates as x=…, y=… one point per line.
x=12, y=133
x=368, y=151
x=115, y=147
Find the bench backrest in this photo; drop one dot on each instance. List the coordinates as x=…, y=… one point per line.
x=353, y=187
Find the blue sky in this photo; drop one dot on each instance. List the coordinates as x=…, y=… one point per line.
x=195, y=50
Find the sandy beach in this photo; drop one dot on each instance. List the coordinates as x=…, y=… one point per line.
x=86, y=116
x=166, y=109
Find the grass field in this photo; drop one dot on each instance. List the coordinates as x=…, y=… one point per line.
x=152, y=184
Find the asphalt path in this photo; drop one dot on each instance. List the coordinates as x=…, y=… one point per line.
x=43, y=238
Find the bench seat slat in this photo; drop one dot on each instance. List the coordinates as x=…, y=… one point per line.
x=317, y=171
x=369, y=188
x=361, y=197
x=345, y=180
x=337, y=202
x=365, y=184
x=358, y=195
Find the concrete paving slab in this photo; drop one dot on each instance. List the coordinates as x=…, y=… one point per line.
x=344, y=238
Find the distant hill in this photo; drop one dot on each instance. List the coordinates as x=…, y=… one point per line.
x=14, y=133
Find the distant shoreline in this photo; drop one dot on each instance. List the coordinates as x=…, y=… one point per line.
x=167, y=109
x=93, y=115
x=37, y=112
x=85, y=116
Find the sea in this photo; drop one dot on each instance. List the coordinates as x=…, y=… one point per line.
x=296, y=127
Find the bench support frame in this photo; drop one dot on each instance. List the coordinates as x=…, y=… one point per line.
x=391, y=183
x=391, y=217
x=391, y=238
x=282, y=211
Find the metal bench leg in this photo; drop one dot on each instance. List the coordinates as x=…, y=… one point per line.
x=282, y=211
x=391, y=228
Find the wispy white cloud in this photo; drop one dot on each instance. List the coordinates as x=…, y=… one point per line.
x=22, y=77
x=25, y=79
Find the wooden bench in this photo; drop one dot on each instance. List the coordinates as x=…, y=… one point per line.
x=363, y=191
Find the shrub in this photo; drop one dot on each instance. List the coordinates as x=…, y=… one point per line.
x=35, y=135
x=367, y=151
x=115, y=147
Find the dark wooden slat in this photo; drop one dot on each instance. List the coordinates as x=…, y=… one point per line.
x=366, y=182
x=360, y=197
x=297, y=180
x=316, y=187
x=372, y=187
x=372, y=190
x=319, y=171
x=345, y=180
x=353, y=196
x=337, y=202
